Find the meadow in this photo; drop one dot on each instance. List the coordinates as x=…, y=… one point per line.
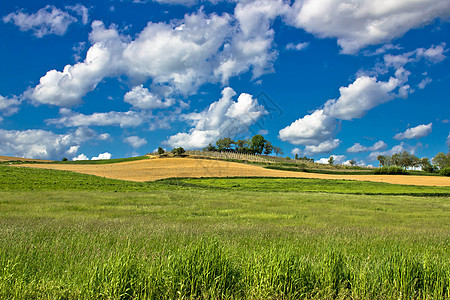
x=65, y=235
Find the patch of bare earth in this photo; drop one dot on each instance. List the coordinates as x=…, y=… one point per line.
x=154, y=169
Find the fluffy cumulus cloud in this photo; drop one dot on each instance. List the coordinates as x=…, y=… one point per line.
x=66, y=88
x=135, y=141
x=82, y=156
x=415, y=132
x=357, y=24
x=9, y=106
x=223, y=118
x=48, y=20
x=358, y=148
x=250, y=46
x=42, y=144
x=355, y=100
x=112, y=118
x=312, y=129
x=434, y=54
x=105, y=155
x=324, y=147
x=181, y=55
x=359, y=97
x=141, y=98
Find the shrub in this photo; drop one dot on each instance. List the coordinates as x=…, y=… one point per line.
x=445, y=172
x=392, y=170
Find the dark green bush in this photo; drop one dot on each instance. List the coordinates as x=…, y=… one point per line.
x=445, y=171
x=392, y=170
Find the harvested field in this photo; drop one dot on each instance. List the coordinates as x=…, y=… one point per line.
x=154, y=169
x=12, y=158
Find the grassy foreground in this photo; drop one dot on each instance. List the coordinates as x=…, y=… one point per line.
x=166, y=240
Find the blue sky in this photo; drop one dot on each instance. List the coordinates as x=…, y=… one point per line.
x=353, y=79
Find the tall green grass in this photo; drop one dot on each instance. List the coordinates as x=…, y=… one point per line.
x=222, y=245
x=72, y=236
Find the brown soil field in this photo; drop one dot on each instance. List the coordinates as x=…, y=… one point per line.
x=12, y=158
x=160, y=168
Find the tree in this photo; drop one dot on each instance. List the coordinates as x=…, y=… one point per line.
x=406, y=159
x=178, y=151
x=210, y=148
x=296, y=156
x=441, y=160
x=352, y=162
x=426, y=165
x=257, y=144
x=160, y=151
x=396, y=159
x=277, y=150
x=65, y=159
x=224, y=144
x=331, y=160
x=242, y=146
x=268, y=148
x=382, y=159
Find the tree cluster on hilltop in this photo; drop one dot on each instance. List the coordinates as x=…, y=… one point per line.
x=255, y=145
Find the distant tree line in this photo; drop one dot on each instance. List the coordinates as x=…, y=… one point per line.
x=406, y=159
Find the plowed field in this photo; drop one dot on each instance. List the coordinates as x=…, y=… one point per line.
x=154, y=169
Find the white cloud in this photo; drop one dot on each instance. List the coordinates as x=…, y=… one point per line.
x=223, y=118
x=82, y=156
x=9, y=106
x=104, y=137
x=434, y=54
x=140, y=97
x=324, y=147
x=312, y=129
x=357, y=24
x=135, y=141
x=66, y=88
x=383, y=49
x=42, y=144
x=82, y=11
x=47, y=20
x=251, y=43
x=182, y=55
x=297, y=47
x=358, y=148
x=73, y=150
x=424, y=83
x=415, y=132
x=355, y=100
x=338, y=159
x=297, y=151
x=105, y=155
x=112, y=118
x=359, y=97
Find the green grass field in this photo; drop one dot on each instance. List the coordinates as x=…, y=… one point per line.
x=72, y=236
